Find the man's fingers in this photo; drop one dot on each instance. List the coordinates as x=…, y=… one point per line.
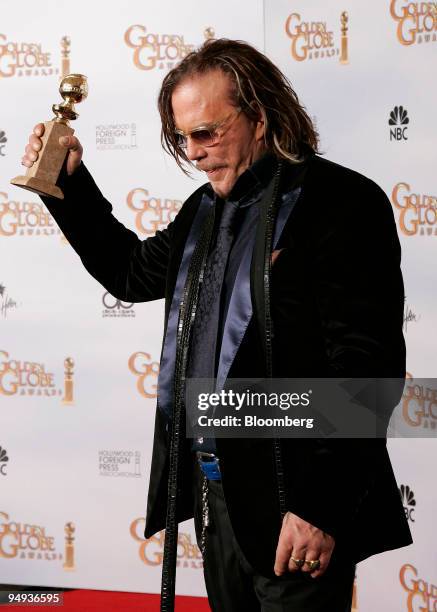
x=71, y=142
x=26, y=162
x=297, y=553
x=325, y=557
x=31, y=154
x=39, y=129
x=35, y=142
x=283, y=552
x=73, y=145
x=311, y=555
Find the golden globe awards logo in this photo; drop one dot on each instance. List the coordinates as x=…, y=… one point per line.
x=151, y=50
x=151, y=213
x=25, y=218
x=419, y=404
x=416, y=21
x=28, y=378
x=421, y=594
x=417, y=212
x=146, y=370
x=24, y=59
x=25, y=541
x=151, y=550
x=314, y=40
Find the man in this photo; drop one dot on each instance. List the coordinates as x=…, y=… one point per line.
x=271, y=269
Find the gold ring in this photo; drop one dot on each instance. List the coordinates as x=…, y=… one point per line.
x=298, y=562
x=314, y=564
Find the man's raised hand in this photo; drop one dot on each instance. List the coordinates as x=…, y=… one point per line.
x=71, y=143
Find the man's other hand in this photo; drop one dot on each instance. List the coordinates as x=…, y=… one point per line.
x=301, y=540
x=71, y=143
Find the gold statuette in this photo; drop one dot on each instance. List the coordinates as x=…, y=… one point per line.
x=69, y=546
x=42, y=176
x=344, y=55
x=65, y=53
x=209, y=33
x=68, y=381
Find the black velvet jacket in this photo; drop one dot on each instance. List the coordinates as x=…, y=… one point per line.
x=337, y=307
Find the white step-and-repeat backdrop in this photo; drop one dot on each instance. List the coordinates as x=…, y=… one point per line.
x=78, y=368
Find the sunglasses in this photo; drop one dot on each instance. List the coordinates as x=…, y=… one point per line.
x=206, y=135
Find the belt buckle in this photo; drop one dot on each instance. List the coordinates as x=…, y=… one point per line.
x=209, y=464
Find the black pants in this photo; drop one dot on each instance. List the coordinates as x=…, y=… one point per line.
x=233, y=586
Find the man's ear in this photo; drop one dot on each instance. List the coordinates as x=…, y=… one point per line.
x=260, y=128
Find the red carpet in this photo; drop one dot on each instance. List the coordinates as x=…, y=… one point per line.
x=107, y=601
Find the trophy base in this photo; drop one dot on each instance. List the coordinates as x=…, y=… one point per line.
x=39, y=186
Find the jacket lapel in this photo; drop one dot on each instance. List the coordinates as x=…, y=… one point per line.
x=240, y=306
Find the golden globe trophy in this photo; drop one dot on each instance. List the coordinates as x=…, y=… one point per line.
x=43, y=175
x=69, y=546
x=68, y=381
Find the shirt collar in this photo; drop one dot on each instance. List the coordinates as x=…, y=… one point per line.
x=253, y=180
x=251, y=183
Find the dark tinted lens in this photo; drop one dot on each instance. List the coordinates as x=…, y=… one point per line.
x=181, y=140
x=202, y=137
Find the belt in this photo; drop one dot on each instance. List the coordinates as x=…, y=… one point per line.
x=209, y=464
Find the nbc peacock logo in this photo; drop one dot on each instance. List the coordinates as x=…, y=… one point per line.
x=408, y=501
x=3, y=461
x=398, y=121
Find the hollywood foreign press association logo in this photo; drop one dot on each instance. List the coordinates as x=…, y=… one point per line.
x=3, y=141
x=399, y=120
x=120, y=463
x=3, y=461
x=116, y=137
x=408, y=501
